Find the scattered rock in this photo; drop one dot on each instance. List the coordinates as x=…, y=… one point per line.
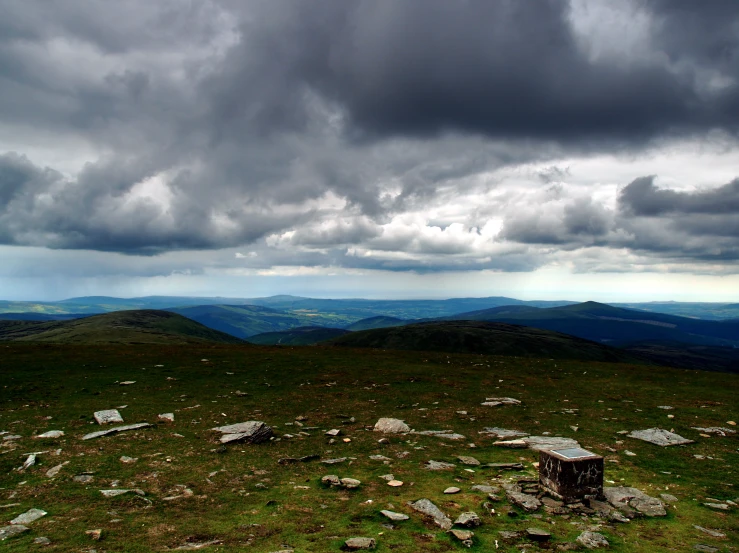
x=720, y=430
x=538, y=534
x=51, y=434
x=387, y=477
x=468, y=520
x=438, y=465
x=592, y=540
x=108, y=416
x=513, y=444
x=350, y=483
x=333, y=461
x=115, y=430
x=469, y=461
x=96, y=534
x=509, y=535
x=665, y=407
x=42, y=540
x=622, y=496
x=452, y=490
x=12, y=530
x=251, y=432
x=502, y=432
x=53, y=471
x=28, y=517
x=395, y=483
x=537, y=443
x=331, y=480
x=379, y=458
x=465, y=536
x=496, y=401
x=712, y=533
x=484, y=489
x=445, y=434
x=167, y=417
x=356, y=544
x=705, y=548
x=668, y=498
x=427, y=508
x=391, y=426
x=395, y=517
x=526, y=502
x=128, y=460
x=83, y=478
x=116, y=492
x=333, y=433
x=659, y=437
x=718, y=506
x=28, y=463
x=197, y=545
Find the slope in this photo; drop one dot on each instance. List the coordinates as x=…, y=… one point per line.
x=484, y=337
x=143, y=326
x=301, y=336
x=613, y=325
x=380, y=321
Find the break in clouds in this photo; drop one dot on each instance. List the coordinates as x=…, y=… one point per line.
x=419, y=135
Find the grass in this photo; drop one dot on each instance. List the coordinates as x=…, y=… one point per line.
x=242, y=496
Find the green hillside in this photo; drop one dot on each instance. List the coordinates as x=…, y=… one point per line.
x=612, y=325
x=380, y=321
x=483, y=337
x=245, y=321
x=142, y=326
x=301, y=336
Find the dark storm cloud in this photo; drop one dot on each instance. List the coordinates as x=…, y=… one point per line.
x=271, y=117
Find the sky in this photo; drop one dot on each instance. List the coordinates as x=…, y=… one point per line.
x=582, y=150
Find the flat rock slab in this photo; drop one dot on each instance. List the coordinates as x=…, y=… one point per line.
x=710, y=532
x=485, y=489
x=115, y=430
x=659, y=436
x=116, y=492
x=537, y=443
x=28, y=517
x=502, y=432
x=333, y=461
x=592, y=540
x=469, y=461
x=498, y=401
x=395, y=517
x=12, y=530
x=438, y=465
x=504, y=466
x=538, y=534
x=465, y=536
x=719, y=430
x=511, y=444
x=528, y=503
x=469, y=519
x=51, y=434
x=251, y=432
x=391, y=426
x=621, y=496
x=107, y=416
x=357, y=544
x=427, y=508
x=446, y=434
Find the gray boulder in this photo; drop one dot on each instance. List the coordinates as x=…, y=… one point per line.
x=592, y=540
x=427, y=508
x=391, y=426
x=251, y=432
x=356, y=544
x=621, y=496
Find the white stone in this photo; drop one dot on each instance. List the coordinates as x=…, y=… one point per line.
x=391, y=426
x=108, y=416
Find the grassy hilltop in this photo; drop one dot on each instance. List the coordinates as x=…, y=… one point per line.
x=198, y=491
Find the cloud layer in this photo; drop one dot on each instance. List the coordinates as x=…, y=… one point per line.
x=417, y=135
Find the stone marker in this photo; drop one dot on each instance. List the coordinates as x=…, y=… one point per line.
x=51, y=434
x=621, y=496
x=571, y=474
x=426, y=507
x=391, y=426
x=659, y=437
x=395, y=517
x=251, y=432
x=592, y=540
x=115, y=430
x=356, y=544
x=12, y=530
x=29, y=516
x=108, y=416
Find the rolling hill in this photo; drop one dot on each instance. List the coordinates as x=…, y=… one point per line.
x=486, y=338
x=380, y=321
x=142, y=326
x=301, y=336
x=612, y=325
